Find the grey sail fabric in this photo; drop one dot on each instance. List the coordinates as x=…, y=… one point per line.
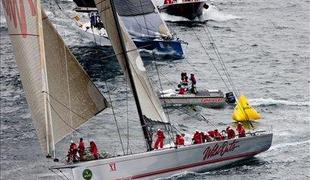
x=147, y=23
x=149, y=102
x=73, y=97
x=134, y=7
x=58, y=91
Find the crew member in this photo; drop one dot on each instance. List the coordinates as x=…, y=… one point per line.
x=217, y=135
x=230, y=133
x=94, y=150
x=160, y=139
x=208, y=137
x=211, y=134
x=203, y=137
x=197, y=139
x=193, y=81
x=179, y=141
x=182, y=90
x=72, y=153
x=81, y=149
x=240, y=130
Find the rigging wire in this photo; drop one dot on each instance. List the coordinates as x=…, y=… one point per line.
x=220, y=59
x=154, y=60
x=210, y=58
x=68, y=125
x=116, y=123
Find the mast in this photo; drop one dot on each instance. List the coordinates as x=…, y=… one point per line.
x=146, y=134
x=45, y=90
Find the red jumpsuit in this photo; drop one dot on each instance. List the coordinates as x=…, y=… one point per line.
x=160, y=139
x=217, y=135
x=94, y=150
x=72, y=152
x=179, y=140
x=197, y=138
x=168, y=2
x=211, y=133
x=240, y=130
x=230, y=133
x=182, y=91
x=81, y=150
x=207, y=138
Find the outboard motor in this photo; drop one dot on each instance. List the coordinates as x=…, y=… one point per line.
x=230, y=98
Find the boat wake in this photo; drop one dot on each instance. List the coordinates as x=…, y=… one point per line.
x=273, y=102
x=213, y=14
x=210, y=14
x=286, y=145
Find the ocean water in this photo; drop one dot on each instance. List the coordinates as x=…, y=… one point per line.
x=266, y=48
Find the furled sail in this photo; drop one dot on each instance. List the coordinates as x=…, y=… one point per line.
x=244, y=111
x=148, y=101
x=59, y=93
x=142, y=19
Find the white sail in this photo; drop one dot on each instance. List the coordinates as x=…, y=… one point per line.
x=149, y=103
x=59, y=93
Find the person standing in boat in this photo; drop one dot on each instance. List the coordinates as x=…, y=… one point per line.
x=193, y=84
x=159, y=143
x=184, y=79
x=94, y=150
x=240, y=130
x=72, y=153
x=81, y=149
x=230, y=133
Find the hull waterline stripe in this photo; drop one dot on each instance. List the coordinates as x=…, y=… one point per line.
x=193, y=165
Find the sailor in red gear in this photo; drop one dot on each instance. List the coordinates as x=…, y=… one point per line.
x=193, y=80
x=160, y=139
x=182, y=90
x=240, y=130
x=207, y=137
x=217, y=135
x=230, y=133
x=211, y=134
x=94, y=150
x=81, y=149
x=179, y=140
x=167, y=1
x=203, y=137
x=72, y=153
x=197, y=139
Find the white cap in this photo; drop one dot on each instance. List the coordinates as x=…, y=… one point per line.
x=71, y=141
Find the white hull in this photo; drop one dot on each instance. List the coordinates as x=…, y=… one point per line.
x=160, y=163
x=209, y=98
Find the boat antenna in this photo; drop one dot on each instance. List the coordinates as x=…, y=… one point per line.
x=147, y=135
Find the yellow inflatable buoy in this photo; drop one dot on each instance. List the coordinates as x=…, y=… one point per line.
x=244, y=112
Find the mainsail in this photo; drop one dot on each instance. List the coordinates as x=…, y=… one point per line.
x=148, y=104
x=244, y=111
x=59, y=93
x=142, y=19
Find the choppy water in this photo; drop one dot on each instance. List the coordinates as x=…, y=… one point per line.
x=265, y=45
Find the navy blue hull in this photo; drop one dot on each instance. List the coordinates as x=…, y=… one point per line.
x=167, y=48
